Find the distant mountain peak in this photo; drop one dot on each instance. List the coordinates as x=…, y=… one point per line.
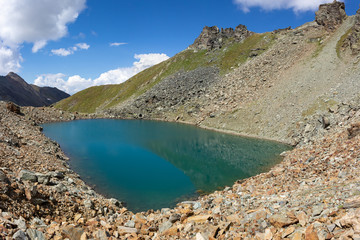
x=15, y=89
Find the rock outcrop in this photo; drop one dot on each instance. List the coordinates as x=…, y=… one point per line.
x=353, y=40
x=13, y=88
x=212, y=38
x=331, y=15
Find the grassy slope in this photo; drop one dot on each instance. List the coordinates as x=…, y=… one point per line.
x=103, y=97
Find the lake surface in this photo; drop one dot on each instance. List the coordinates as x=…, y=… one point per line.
x=151, y=164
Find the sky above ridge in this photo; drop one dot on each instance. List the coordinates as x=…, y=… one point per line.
x=75, y=44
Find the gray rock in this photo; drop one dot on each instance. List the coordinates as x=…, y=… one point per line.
x=331, y=227
x=57, y=174
x=36, y=222
x=165, y=226
x=20, y=235
x=174, y=218
x=35, y=234
x=195, y=205
x=317, y=210
x=325, y=122
x=21, y=224
x=60, y=188
x=26, y=175
x=43, y=178
x=101, y=235
x=116, y=202
x=130, y=224
x=89, y=204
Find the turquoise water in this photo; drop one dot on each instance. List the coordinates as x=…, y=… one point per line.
x=151, y=165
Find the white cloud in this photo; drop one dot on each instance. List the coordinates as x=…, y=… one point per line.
x=10, y=60
x=83, y=46
x=62, y=52
x=295, y=5
x=71, y=50
x=76, y=83
x=116, y=44
x=37, y=22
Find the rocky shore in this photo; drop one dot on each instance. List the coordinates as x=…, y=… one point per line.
x=313, y=194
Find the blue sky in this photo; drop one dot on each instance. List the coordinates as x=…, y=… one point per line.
x=74, y=51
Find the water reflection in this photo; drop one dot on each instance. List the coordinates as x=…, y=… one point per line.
x=156, y=164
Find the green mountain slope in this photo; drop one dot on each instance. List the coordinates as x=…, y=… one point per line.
x=230, y=55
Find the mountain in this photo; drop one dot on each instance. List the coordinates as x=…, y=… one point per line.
x=13, y=88
x=287, y=85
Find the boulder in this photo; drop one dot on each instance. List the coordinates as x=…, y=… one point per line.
x=26, y=175
x=20, y=235
x=12, y=107
x=330, y=15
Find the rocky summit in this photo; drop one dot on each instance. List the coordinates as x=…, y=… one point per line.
x=298, y=86
x=212, y=38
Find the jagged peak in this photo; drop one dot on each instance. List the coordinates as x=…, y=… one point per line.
x=330, y=15
x=212, y=37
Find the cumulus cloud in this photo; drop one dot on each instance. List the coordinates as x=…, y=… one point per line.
x=71, y=85
x=71, y=50
x=37, y=22
x=76, y=83
x=295, y=5
x=116, y=44
x=10, y=59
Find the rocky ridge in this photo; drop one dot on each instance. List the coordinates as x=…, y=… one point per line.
x=213, y=38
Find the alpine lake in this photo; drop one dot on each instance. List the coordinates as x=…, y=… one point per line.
x=153, y=164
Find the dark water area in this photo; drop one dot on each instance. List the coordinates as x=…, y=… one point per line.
x=151, y=164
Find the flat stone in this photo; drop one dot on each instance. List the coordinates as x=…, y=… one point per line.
x=198, y=218
x=130, y=224
x=281, y=220
x=171, y=231
x=73, y=232
x=317, y=210
x=126, y=230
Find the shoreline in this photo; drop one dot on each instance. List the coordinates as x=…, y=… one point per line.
x=198, y=195
x=307, y=177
